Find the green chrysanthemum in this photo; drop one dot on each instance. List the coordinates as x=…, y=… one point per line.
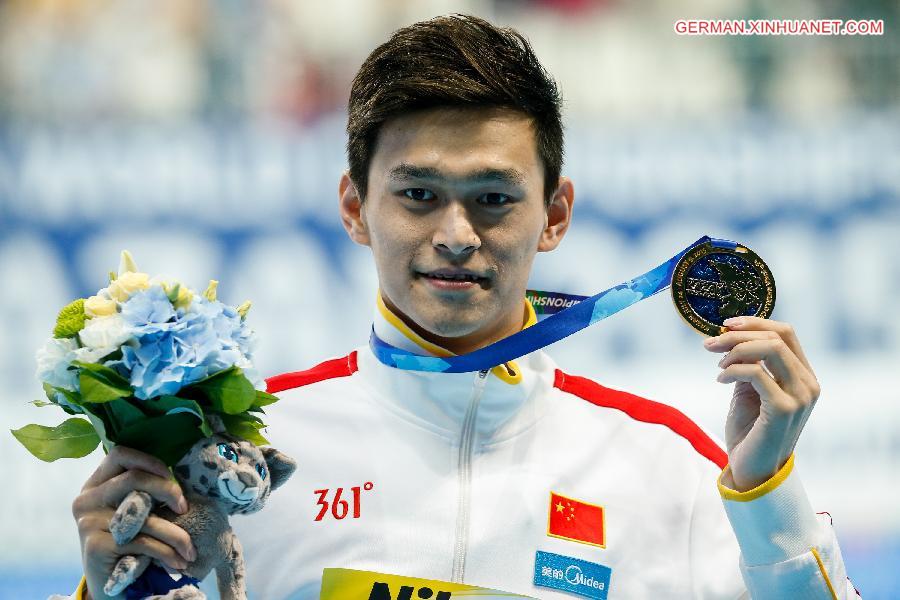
x=70, y=320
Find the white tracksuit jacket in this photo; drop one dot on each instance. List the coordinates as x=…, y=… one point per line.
x=461, y=467
x=453, y=475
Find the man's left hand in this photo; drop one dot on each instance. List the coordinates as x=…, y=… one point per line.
x=774, y=396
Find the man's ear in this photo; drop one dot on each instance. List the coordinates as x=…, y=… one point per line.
x=559, y=215
x=352, y=213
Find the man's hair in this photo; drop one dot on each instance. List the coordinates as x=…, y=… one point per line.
x=453, y=61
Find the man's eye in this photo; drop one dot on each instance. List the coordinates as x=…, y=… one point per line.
x=419, y=194
x=494, y=199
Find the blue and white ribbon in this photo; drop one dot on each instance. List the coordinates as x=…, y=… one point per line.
x=583, y=312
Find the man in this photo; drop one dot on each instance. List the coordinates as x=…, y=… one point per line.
x=455, y=151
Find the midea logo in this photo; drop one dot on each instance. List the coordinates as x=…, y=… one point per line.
x=575, y=576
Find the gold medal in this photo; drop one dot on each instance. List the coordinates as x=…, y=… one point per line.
x=713, y=283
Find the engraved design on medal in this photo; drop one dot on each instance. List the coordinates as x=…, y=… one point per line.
x=711, y=284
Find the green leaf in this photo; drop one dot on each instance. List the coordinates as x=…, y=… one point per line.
x=73, y=438
x=168, y=405
x=219, y=374
x=125, y=412
x=228, y=392
x=239, y=426
x=96, y=388
x=167, y=437
x=264, y=399
x=251, y=417
x=110, y=375
x=98, y=415
x=71, y=397
x=42, y=403
x=51, y=392
x=70, y=319
x=100, y=384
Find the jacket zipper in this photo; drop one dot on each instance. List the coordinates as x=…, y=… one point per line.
x=464, y=475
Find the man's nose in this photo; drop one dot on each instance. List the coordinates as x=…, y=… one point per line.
x=454, y=232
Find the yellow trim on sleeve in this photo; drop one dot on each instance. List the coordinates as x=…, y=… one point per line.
x=760, y=490
x=508, y=373
x=824, y=573
x=81, y=590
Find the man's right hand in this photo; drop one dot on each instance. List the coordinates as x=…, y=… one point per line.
x=122, y=471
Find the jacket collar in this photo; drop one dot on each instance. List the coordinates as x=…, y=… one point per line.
x=508, y=403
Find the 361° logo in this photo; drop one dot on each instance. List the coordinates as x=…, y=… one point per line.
x=340, y=507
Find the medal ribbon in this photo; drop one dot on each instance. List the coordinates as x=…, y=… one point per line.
x=560, y=315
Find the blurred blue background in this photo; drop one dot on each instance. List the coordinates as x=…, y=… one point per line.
x=207, y=138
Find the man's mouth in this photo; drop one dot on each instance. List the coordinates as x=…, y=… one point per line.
x=453, y=278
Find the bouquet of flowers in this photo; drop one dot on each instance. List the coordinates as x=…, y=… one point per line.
x=146, y=361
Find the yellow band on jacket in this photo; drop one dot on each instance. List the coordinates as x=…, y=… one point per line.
x=760, y=490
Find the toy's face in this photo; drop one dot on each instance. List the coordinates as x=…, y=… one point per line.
x=234, y=472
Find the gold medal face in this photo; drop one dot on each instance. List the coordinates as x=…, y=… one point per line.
x=711, y=284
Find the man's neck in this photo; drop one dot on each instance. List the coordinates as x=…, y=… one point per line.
x=506, y=327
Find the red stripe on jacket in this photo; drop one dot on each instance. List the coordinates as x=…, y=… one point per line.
x=336, y=367
x=643, y=410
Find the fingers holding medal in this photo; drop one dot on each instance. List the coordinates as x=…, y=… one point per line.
x=768, y=355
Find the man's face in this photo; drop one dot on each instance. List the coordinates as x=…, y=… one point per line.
x=454, y=215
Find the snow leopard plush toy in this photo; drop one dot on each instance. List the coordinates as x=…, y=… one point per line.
x=221, y=476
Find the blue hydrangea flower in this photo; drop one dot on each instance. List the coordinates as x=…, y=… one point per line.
x=148, y=309
x=172, y=349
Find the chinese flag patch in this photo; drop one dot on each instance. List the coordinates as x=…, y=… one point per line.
x=576, y=521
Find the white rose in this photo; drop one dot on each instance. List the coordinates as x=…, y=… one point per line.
x=126, y=284
x=104, y=332
x=99, y=306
